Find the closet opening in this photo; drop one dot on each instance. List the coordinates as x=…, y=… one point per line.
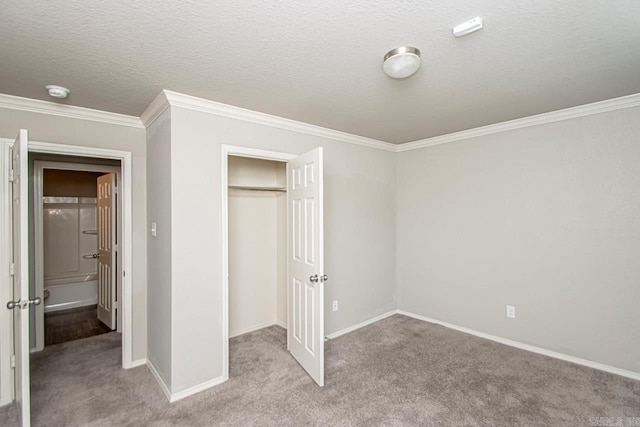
x=256, y=242
x=273, y=254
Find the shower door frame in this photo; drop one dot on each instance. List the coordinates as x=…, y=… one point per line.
x=38, y=211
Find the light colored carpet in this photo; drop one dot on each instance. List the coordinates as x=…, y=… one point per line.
x=399, y=371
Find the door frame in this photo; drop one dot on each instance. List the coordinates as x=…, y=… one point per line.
x=125, y=158
x=6, y=284
x=38, y=184
x=232, y=150
x=6, y=324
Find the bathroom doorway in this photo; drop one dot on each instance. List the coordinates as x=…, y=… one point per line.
x=77, y=266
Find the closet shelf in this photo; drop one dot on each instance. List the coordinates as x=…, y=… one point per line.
x=254, y=188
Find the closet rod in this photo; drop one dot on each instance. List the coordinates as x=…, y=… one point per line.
x=244, y=187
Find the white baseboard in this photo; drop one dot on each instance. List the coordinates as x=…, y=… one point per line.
x=361, y=324
x=252, y=328
x=528, y=347
x=173, y=397
x=136, y=363
x=196, y=389
x=159, y=379
x=281, y=324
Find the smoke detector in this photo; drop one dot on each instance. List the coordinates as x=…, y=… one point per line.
x=58, y=91
x=468, y=27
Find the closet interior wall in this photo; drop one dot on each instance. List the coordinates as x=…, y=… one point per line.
x=257, y=244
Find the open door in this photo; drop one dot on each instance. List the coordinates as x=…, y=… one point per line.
x=305, y=248
x=107, y=250
x=20, y=271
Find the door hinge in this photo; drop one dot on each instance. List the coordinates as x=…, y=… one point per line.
x=115, y=247
x=12, y=269
x=123, y=273
x=115, y=190
x=11, y=175
x=12, y=361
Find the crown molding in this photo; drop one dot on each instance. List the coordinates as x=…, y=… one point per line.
x=70, y=111
x=168, y=98
x=153, y=111
x=623, y=102
x=203, y=105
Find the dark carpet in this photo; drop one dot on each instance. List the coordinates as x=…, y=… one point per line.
x=398, y=371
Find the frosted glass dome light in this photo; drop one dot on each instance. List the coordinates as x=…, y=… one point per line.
x=402, y=62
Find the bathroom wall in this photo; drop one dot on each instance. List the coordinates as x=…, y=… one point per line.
x=69, y=225
x=64, y=183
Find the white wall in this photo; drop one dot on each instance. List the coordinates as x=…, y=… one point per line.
x=65, y=269
x=71, y=131
x=359, y=232
x=253, y=260
x=255, y=257
x=546, y=218
x=246, y=171
x=159, y=247
x=281, y=254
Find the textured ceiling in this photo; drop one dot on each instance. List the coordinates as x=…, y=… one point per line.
x=320, y=62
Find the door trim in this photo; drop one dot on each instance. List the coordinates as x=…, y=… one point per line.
x=231, y=150
x=38, y=177
x=125, y=158
x=6, y=285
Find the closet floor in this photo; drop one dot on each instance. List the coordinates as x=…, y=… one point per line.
x=73, y=324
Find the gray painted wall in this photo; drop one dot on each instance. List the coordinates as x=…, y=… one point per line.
x=70, y=131
x=546, y=218
x=159, y=247
x=359, y=232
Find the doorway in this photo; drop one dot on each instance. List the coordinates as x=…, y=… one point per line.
x=126, y=232
x=14, y=251
x=257, y=244
x=254, y=281
x=77, y=264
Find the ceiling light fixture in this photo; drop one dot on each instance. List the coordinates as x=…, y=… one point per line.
x=58, y=91
x=401, y=62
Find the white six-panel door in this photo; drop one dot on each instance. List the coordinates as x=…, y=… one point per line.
x=20, y=266
x=305, y=287
x=106, y=250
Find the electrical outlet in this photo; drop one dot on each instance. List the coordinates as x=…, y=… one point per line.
x=335, y=305
x=511, y=311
